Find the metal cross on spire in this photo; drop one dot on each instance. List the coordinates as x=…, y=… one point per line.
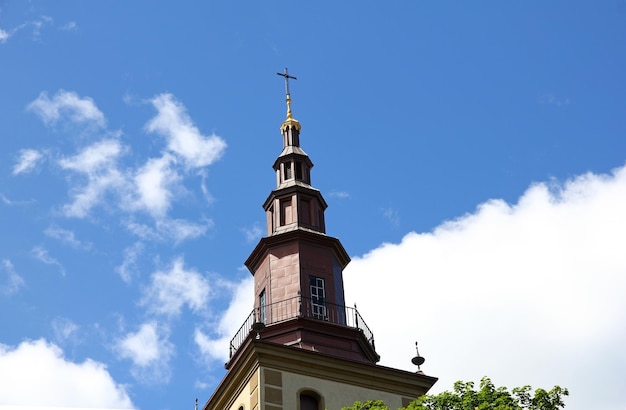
x=287, y=77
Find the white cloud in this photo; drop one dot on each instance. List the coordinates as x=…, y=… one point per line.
x=98, y=162
x=150, y=353
x=67, y=105
x=215, y=346
x=531, y=293
x=27, y=161
x=13, y=281
x=128, y=268
x=100, y=155
x=67, y=237
x=153, y=182
x=183, y=138
x=169, y=291
x=35, y=373
x=42, y=255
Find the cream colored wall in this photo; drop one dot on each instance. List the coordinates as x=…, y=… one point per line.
x=336, y=395
x=249, y=396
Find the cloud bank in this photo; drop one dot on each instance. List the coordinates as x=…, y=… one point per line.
x=529, y=293
x=35, y=373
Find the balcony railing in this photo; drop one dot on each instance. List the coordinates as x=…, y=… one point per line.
x=300, y=307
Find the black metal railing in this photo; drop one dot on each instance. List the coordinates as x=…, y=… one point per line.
x=300, y=307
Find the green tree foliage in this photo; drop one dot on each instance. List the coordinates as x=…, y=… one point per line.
x=368, y=405
x=488, y=397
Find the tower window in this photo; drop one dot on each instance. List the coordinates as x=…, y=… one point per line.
x=318, y=297
x=285, y=211
x=287, y=168
x=271, y=221
x=299, y=170
x=262, y=303
x=305, y=212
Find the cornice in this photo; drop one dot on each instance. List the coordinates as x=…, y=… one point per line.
x=297, y=235
x=296, y=187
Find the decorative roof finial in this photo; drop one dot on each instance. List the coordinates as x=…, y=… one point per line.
x=287, y=77
x=418, y=360
x=290, y=124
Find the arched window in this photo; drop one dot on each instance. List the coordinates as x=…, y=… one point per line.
x=310, y=400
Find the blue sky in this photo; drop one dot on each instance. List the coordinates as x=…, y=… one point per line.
x=472, y=155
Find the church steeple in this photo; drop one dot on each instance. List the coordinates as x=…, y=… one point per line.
x=297, y=268
x=301, y=347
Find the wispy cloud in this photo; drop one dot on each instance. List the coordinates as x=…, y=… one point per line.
x=183, y=138
x=27, y=161
x=203, y=186
x=67, y=105
x=13, y=281
x=169, y=291
x=64, y=329
x=180, y=230
x=391, y=215
x=36, y=25
x=67, y=237
x=551, y=99
x=39, y=366
x=174, y=230
x=97, y=180
x=70, y=26
x=98, y=163
x=128, y=269
x=10, y=202
x=150, y=351
x=339, y=194
x=4, y=36
x=253, y=233
x=42, y=255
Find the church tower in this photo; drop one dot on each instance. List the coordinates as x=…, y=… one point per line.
x=301, y=348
